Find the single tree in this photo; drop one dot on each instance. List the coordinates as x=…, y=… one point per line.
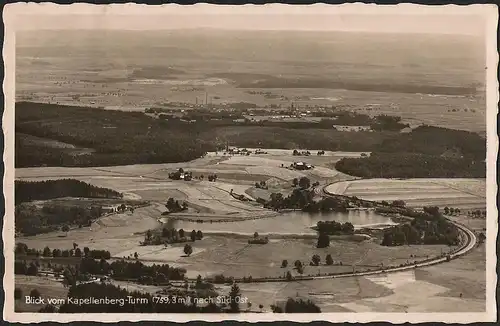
x=199, y=235
x=316, y=260
x=295, y=182
x=188, y=250
x=234, y=295
x=329, y=259
x=78, y=252
x=46, y=252
x=284, y=263
x=86, y=251
x=136, y=255
x=181, y=233
x=255, y=235
x=323, y=240
x=65, y=228
x=193, y=235
x=198, y=282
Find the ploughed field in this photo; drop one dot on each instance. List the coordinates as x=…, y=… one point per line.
x=459, y=193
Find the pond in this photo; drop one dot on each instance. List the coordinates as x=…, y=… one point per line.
x=290, y=223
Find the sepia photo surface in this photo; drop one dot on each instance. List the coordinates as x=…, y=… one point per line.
x=251, y=163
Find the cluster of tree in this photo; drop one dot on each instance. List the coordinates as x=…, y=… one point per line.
x=170, y=235
x=411, y=165
x=451, y=211
x=298, y=266
x=302, y=153
x=23, y=268
x=221, y=279
x=31, y=219
x=326, y=204
x=25, y=191
x=181, y=174
x=477, y=213
x=261, y=185
x=297, y=306
x=212, y=177
x=136, y=269
x=134, y=301
x=481, y=237
x=174, y=206
x=127, y=137
x=430, y=228
x=334, y=227
x=303, y=199
x=303, y=182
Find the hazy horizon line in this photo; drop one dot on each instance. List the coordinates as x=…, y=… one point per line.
x=324, y=31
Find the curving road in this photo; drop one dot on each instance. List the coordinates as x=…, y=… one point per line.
x=467, y=244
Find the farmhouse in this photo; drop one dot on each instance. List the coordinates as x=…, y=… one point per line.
x=110, y=209
x=302, y=166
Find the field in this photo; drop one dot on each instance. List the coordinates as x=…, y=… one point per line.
x=460, y=193
x=439, y=88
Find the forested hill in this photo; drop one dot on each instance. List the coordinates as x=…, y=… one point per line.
x=436, y=141
x=42, y=190
x=58, y=135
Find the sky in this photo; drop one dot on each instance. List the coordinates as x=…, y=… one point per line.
x=367, y=18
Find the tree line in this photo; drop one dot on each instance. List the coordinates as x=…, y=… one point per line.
x=169, y=235
x=411, y=165
x=25, y=191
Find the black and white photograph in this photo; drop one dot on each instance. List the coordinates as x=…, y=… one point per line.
x=253, y=163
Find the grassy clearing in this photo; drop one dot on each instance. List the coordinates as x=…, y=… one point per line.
x=235, y=257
